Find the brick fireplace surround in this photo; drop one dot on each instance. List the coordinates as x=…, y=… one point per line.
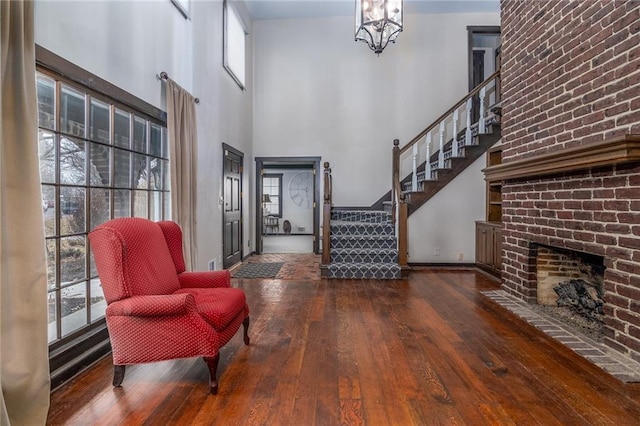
x=571, y=162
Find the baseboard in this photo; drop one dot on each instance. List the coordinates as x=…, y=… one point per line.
x=441, y=265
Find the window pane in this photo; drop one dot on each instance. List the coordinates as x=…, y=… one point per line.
x=155, y=141
x=49, y=206
x=140, y=135
x=140, y=174
x=121, y=168
x=165, y=143
x=47, y=154
x=98, y=302
x=99, y=126
x=74, y=308
x=167, y=206
x=99, y=167
x=100, y=207
x=140, y=203
x=122, y=129
x=72, y=259
x=121, y=203
x=155, y=207
x=166, y=180
x=155, y=173
x=72, y=161
x=72, y=210
x=50, y=246
x=72, y=112
x=46, y=102
x=234, y=45
x=52, y=306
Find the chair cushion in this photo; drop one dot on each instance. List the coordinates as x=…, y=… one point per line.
x=218, y=306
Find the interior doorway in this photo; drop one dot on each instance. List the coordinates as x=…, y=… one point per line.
x=484, y=48
x=287, y=200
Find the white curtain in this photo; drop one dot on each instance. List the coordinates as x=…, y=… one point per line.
x=181, y=117
x=24, y=355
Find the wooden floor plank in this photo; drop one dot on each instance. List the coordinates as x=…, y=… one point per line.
x=430, y=349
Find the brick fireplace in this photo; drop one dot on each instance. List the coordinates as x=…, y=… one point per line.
x=571, y=148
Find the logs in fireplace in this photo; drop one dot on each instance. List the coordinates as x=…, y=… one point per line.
x=582, y=298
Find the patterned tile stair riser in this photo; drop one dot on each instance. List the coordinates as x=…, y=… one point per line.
x=363, y=246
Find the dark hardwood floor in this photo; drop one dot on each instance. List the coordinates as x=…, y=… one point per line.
x=427, y=350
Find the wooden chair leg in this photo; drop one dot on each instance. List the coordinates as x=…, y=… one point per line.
x=212, y=363
x=118, y=375
x=245, y=325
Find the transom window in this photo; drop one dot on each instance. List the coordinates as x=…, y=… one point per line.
x=98, y=160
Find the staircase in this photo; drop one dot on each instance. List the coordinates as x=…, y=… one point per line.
x=363, y=246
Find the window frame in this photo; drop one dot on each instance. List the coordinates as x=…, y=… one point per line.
x=239, y=76
x=55, y=287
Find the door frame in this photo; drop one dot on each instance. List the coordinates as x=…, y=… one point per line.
x=226, y=147
x=471, y=30
x=288, y=162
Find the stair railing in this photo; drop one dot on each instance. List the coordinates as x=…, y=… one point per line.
x=431, y=146
x=326, y=215
x=408, y=157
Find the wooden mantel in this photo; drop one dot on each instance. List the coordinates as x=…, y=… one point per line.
x=620, y=150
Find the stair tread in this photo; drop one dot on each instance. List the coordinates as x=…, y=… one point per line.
x=363, y=264
x=364, y=250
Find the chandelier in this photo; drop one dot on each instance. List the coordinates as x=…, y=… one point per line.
x=378, y=22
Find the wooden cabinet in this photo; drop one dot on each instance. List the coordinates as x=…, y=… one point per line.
x=489, y=232
x=488, y=246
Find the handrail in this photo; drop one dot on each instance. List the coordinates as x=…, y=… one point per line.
x=326, y=215
x=473, y=92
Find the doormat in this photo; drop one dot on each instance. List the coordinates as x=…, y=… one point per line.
x=258, y=270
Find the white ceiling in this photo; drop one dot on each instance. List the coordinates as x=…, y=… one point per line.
x=287, y=9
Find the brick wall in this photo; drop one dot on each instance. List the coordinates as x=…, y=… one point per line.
x=571, y=76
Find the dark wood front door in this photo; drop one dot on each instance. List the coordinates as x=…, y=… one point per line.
x=232, y=215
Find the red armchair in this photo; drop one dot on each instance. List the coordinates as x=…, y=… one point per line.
x=155, y=310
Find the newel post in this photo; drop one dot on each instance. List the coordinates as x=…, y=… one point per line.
x=403, y=251
x=395, y=178
x=326, y=216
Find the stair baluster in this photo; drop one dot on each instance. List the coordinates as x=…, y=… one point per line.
x=467, y=133
x=441, y=151
x=481, y=124
x=454, y=145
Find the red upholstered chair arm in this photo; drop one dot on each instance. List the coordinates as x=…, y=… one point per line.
x=205, y=279
x=153, y=306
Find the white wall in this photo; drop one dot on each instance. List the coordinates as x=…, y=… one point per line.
x=319, y=93
x=224, y=116
x=128, y=42
x=447, y=221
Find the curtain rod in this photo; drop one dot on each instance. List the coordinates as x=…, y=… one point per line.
x=164, y=76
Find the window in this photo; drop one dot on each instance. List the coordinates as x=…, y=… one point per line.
x=98, y=160
x=234, y=44
x=272, y=186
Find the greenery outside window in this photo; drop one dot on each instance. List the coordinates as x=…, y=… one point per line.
x=272, y=186
x=99, y=159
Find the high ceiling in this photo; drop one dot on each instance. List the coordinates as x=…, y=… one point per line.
x=287, y=9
